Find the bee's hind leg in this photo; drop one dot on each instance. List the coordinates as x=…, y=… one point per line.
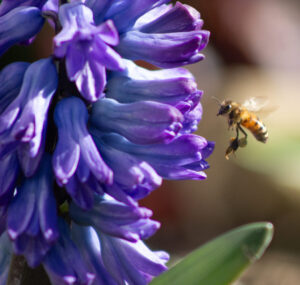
x=233, y=144
x=243, y=141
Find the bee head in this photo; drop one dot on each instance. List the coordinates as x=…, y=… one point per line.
x=225, y=108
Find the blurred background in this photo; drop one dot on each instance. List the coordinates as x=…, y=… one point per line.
x=253, y=51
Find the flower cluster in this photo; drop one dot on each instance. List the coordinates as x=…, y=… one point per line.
x=87, y=132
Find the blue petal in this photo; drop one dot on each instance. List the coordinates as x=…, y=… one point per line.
x=11, y=78
x=21, y=210
x=64, y=263
x=8, y=5
x=130, y=263
x=8, y=176
x=19, y=25
x=99, y=8
x=87, y=241
x=124, y=13
x=129, y=171
x=34, y=231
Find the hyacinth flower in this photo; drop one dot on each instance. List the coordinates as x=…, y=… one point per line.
x=87, y=132
x=34, y=229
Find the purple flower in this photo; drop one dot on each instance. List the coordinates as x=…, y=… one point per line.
x=87, y=242
x=64, y=263
x=118, y=261
x=51, y=5
x=34, y=228
x=133, y=178
x=116, y=219
x=131, y=262
x=175, y=87
x=87, y=49
x=158, y=38
x=23, y=122
x=19, y=25
x=144, y=122
x=86, y=133
x=171, y=161
x=77, y=163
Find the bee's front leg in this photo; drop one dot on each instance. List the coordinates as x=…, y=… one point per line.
x=231, y=124
x=243, y=141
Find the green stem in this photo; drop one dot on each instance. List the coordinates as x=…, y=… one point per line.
x=21, y=274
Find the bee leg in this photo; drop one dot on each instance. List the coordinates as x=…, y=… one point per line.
x=233, y=146
x=243, y=141
x=230, y=124
x=242, y=130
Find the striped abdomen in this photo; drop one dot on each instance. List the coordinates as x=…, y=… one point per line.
x=257, y=128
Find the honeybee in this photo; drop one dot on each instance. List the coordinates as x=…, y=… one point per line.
x=243, y=115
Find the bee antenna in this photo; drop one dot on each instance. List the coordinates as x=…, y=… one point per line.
x=216, y=99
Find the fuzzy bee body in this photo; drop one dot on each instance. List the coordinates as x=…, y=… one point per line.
x=240, y=116
x=249, y=120
x=256, y=126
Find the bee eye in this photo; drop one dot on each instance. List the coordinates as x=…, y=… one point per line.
x=227, y=107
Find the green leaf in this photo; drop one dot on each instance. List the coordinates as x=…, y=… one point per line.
x=221, y=260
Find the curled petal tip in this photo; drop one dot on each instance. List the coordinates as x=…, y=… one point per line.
x=12, y=234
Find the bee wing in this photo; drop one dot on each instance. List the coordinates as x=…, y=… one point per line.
x=260, y=105
x=255, y=104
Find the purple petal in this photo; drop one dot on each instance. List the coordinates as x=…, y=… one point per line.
x=129, y=171
x=87, y=241
x=164, y=50
x=65, y=158
x=141, y=122
x=70, y=117
x=36, y=229
x=64, y=263
x=116, y=219
x=183, y=150
x=51, y=5
x=171, y=86
x=24, y=119
x=82, y=194
x=21, y=210
x=91, y=81
x=82, y=37
x=178, y=18
x=192, y=119
x=128, y=262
